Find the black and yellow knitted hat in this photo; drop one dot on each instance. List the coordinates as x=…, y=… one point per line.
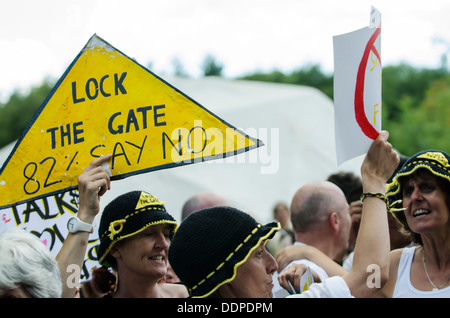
x=211, y=244
x=435, y=161
x=127, y=215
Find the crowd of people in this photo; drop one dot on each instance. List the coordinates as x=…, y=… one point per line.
x=384, y=233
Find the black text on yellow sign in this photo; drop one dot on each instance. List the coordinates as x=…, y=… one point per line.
x=107, y=103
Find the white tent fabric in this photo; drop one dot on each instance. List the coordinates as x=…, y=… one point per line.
x=296, y=124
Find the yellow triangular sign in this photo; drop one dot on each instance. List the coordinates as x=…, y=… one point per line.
x=107, y=103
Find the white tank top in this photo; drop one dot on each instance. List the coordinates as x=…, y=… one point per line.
x=404, y=288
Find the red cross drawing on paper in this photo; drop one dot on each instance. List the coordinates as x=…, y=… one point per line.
x=360, y=114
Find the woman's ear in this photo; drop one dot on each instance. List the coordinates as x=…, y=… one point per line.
x=115, y=252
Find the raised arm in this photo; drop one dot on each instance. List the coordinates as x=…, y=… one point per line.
x=92, y=184
x=370, y=268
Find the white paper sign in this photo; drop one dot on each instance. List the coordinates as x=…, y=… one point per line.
x=357, y=89
x=306, y=280
x=47, y=218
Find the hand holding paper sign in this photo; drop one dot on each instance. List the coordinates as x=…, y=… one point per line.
x=306, y=280
x=92, y=184
x=106, y=102
x=297, y=278
x=357, y=89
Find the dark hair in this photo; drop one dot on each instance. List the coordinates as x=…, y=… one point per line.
x=349, y=184
x=103, y=280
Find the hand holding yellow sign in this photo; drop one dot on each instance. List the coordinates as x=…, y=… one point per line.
x=107, y=103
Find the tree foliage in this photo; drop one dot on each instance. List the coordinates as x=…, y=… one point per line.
x=18, y=111
x=211, y=67
x=423, y=124
x=415, y=101
x=310, y=75
x=403, y=81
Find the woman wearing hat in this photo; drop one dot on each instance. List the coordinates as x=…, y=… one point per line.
x=421, y=192
x=135, y=232
x=220, y=251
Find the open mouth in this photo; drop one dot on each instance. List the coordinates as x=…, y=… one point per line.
x=420, y=212
x=157, y=258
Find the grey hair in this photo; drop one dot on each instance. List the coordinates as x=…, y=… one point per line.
x=25, y=260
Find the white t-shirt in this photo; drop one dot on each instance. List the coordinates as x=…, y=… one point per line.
x=333, y=287
x=280, y=292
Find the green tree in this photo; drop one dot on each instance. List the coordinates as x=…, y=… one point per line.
x=423, y=125
x=415, y=102
x=178, y=67
x=18, y=111
x=211, y=67
x=310, y=75
x=403, y=81
x=275, y=77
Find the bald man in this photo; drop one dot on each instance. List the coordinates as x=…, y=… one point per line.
x=320, y=217
x=202, y=201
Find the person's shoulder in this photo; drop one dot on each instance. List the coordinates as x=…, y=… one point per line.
x=395, y=257
x=397, y=253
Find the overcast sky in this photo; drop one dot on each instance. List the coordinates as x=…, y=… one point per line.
x=41, y=38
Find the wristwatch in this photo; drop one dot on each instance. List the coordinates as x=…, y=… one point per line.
x=75, y=225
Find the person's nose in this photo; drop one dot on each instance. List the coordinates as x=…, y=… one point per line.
x=161, y=241
x=272, y=264
x=416, y=195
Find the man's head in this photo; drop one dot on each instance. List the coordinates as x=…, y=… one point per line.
x=320, y=215
x=202, y=201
